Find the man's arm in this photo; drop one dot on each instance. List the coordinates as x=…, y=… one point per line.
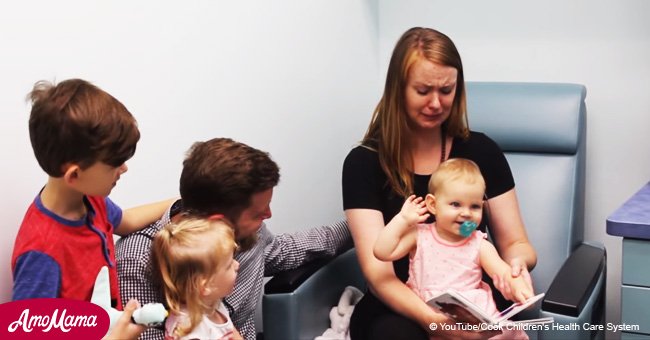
x=289, y=251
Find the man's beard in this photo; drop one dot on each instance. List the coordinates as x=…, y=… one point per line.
x=247, y=243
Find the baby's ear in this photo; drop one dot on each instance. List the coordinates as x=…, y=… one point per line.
x=430, y=201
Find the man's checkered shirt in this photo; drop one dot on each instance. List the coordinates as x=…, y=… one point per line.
x=270, y=255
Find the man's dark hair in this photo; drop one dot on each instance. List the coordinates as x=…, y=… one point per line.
x=220, y=176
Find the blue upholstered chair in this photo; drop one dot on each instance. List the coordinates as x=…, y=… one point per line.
x=541, y=129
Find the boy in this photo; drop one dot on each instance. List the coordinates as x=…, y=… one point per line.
x=81, y=137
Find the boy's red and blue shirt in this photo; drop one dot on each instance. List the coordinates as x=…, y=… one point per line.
x=56, y=257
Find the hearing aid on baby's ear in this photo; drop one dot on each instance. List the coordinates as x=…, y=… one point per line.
x=467, y=228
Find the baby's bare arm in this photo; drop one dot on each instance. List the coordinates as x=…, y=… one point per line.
x=520, y=289
x=398, y=238
x=517, y=288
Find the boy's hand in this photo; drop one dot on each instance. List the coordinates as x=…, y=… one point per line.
x=414, y=210
x=124, y=328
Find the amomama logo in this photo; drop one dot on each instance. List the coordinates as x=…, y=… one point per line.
x=52, y=319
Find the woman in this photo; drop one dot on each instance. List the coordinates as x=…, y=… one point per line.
x=419, y=122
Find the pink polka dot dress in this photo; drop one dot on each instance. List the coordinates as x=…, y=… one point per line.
x=438, y=265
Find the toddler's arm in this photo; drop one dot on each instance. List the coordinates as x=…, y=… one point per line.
x=136, y=218
x=398, y=238
x=515, y=287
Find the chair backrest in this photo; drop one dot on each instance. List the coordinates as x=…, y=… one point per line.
x=541, y=129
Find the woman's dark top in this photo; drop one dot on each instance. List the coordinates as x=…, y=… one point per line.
x=365, y=185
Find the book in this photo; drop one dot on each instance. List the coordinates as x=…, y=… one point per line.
x=458, y=308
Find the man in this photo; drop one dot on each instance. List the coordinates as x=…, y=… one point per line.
x=222, y=177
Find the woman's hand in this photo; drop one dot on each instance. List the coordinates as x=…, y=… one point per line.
x=510, y=238
x=516, y=284
x=519, y=268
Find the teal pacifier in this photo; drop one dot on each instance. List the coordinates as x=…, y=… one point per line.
x=467, y=228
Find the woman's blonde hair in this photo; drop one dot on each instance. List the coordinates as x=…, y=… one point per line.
x=455, y=169
x=388, y=129
x=185, y=255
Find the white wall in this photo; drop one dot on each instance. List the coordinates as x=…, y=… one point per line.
x=298, y=79
x=604, y=45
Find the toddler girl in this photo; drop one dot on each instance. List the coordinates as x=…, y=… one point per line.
x=193, y=261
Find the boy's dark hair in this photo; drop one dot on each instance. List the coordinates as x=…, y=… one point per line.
x=77, y=122
x=220, y=176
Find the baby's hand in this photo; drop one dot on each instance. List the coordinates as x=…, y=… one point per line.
x=520, y=289
x=518, y=274
x=414, y=210
x=515, y=289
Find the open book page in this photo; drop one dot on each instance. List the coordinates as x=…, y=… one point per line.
x=457, y=307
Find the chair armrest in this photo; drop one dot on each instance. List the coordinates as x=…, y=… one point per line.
x=575, y=282
x=290, y=280
x=303, y=312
